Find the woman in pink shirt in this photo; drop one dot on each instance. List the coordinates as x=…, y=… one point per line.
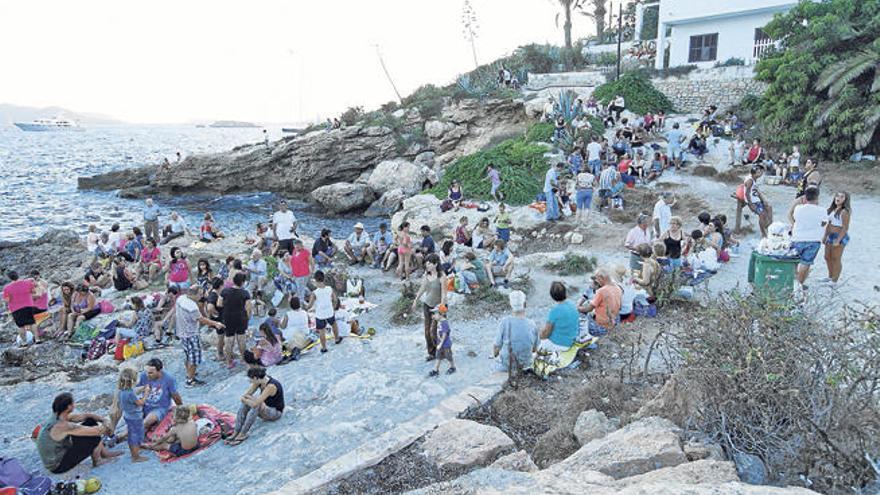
x=18, y=295
x=151, y=260
x=301, y=266
x=178, y=269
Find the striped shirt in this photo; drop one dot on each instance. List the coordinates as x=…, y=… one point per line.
x=607, y=177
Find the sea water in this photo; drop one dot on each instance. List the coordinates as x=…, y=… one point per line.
x=39, y=171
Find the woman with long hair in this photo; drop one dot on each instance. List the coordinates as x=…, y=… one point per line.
x=432, y=293
x=837, y=233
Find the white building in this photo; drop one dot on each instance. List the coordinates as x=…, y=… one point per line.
x=705, y=32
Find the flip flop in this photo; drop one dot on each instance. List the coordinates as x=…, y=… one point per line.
x=237, y=441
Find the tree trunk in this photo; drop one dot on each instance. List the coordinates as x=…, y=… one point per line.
x=567, y=26
x=599, y=12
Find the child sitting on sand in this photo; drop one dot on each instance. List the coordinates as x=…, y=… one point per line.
x=444, y=341
x=132, y=411
x=182, y=438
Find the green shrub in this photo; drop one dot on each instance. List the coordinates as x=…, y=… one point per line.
x=352, y=115
x=541, y=132
x=573, y=264
x=731, y=62
x=429, y=99
x=521, y=165
x=641, y=96
x=603, y=59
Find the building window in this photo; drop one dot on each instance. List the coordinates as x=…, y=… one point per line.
x=704, y=48
x=763, y=44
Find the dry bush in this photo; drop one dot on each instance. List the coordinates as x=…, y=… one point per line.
x=732, y=176
x=539, y=416
x=704, y=171
x=797, y=386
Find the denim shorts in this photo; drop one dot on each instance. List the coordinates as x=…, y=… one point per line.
x=584, y=199
x=806, y=251
x=834, y=235
x=503, y=234
x=136, y=433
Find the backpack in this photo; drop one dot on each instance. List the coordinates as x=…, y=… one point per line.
x=446, y=205
x=84, y=332
x=12, y=474
x=97, y=349
x=106, y=306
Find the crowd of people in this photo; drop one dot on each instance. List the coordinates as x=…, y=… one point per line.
x=226, y=295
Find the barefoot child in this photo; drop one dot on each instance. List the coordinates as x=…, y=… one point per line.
x=133, y=411
x=444, y=341
x=182, y=438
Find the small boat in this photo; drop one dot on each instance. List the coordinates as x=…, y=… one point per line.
x=53, y=124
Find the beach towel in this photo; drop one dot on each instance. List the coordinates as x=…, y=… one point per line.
x=547, y=362
x=84, y=332
x=220, y=420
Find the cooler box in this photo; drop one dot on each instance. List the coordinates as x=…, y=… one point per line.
x=774, y=275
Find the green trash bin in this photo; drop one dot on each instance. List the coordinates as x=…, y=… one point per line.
x=774, y=276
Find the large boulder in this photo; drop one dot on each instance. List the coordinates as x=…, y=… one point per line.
x=461, y=443
x=517, y=461
x=388, y=204
x=690, y=473
x=400, y=174
x=343, y=197
x=592, y=425
x=435, y=129
x=640, y=447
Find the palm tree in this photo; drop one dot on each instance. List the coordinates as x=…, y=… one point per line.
x=847, y=73
x=567, y=7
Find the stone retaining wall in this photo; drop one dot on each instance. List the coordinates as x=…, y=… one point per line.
x=693, y=96
x=721, y=86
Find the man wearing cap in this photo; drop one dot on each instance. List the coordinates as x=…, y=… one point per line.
x=356, y=245
x=284, y=227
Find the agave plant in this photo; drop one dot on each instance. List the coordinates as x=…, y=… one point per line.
x=847, y=74
x=566, y=100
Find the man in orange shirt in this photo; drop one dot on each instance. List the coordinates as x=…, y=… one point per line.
x=605, y=304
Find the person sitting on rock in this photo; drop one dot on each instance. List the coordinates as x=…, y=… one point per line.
x=177, y=228
x=96, y=277
x=356, y=245
x=378, y=249
x=323, y=249
x=455, y=194
x=425, y=247
x=208, y=231
x=462, y=235
x=517, y=338
x=561, y=329
x=500, y=263
x=483, y=237
x=268, y=405
x=605, y=304
x=125, y=279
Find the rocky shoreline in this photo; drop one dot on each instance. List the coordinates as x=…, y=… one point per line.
x=371, y=166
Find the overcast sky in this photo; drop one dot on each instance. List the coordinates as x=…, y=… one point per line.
x=161, y=61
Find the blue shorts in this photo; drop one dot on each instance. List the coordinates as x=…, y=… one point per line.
x=503, y=234
x=159, y=412
x=759, y=207
x=322, y=324
x=584, y=199
x=595, y=166
x=673, y=152
x=834, y=235
x=136, y=434
x=595, y=329
x=806, y=251
x=495, y=188
x=178, y=451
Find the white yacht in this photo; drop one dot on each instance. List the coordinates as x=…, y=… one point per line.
x=53, y=124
